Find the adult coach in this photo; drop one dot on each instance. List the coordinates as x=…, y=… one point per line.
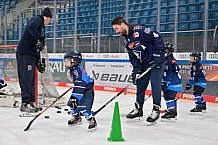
x=28, y=57
x=144, y=47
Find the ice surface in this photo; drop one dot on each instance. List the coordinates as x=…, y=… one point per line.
x=197, y=129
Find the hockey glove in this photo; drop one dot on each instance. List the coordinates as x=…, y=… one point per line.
x=135, y=77
x=41, y=65
x=73, y=102
x=159, y=57
x=164, y=86
x=188, y=87
x=40, y=45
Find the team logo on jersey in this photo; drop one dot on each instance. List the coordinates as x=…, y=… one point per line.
x=147, y=30
x=131, y=45
x=76, y=73
x=155, y=35
x=136, y=34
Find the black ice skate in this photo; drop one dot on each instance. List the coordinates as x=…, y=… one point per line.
x=75, y=120
x=136, y=113
x=154, y=116
x=197, y=108
x=27, y=110
x=33, y=105
x=169, y=116
x=92, y=123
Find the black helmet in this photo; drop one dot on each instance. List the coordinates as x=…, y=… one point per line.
x=169, y=48
x=74, y=56
x=196, y=55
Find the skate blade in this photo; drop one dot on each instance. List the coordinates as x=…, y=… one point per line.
x=93, y=129
x=196, y=113
x=76, y=124
x=137, y=119
x=169, y=119
x=204, y=111
x=150, y=123
x=26, y=114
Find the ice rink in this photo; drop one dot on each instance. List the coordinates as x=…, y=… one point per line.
x=197, y=129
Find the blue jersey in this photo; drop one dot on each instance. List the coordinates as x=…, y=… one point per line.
x=140, y=44
x=172, y=75
x=34, y=31
x=82, y=81
x=198, y=75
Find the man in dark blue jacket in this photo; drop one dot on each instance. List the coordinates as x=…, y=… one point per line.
x=144, y=47
x=28, y=57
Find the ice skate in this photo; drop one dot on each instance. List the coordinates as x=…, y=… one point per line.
x=33, y=105
x=75, y=120
x=92, y=123
x=27, y=110
x=136, y=114
x=197, y=108
x=169, y=116
x=154, y=116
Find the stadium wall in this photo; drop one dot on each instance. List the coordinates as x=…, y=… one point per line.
x=112, y=72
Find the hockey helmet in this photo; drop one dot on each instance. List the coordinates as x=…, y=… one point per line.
x=169, y=48
x=196, y=55
x=75, y=57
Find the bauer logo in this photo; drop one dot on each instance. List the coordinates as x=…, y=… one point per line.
x=110, y=77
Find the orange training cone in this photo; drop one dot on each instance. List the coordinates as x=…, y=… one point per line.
x=116, y=132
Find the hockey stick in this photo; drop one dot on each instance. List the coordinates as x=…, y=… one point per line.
x=102, y=107
x=30, y=123
x=147, y=97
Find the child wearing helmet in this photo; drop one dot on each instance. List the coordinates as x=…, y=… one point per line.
x=198, y=80
x=82, y=97
x=172, y=82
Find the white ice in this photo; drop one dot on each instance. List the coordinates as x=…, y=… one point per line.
x=198, y=129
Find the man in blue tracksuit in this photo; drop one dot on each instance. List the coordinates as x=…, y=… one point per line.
x=198, y=80
x=144, y=47
x=172, y=82
x=28, y=57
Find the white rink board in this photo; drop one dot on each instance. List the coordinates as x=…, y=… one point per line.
x=189, y=129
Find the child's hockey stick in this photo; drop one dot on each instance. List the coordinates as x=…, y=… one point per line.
x=30, y=123
x=102, y=107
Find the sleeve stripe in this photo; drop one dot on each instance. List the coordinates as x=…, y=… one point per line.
x=79, y=87
x=77, y=94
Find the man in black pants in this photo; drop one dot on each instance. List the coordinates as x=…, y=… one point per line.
x=144, y=47
x=28, y=57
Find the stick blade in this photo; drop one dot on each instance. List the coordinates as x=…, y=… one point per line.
x=28, y=126
x=30, y=123
x=215, y=43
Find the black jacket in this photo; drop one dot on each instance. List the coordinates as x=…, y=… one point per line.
x=35, y=30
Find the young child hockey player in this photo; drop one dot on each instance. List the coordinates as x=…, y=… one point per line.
x=198, y=80
x=82, y=97
x=172, y=82
x=2, y=85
